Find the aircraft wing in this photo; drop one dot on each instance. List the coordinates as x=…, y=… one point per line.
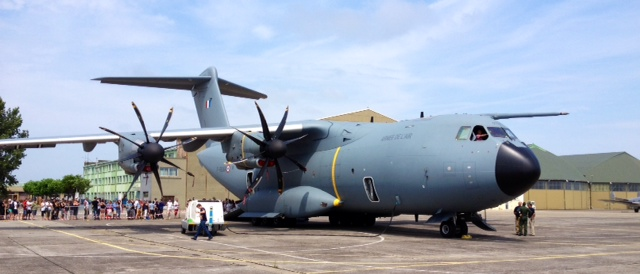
x=621, y=201
x=498, y=116
x=89, y=141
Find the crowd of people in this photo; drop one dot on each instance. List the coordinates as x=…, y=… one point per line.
x=98, y=209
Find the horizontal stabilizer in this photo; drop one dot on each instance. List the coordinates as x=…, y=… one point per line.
x=185, y=83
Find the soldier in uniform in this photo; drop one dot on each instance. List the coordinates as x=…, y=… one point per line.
x=516, y=212
x=524, y=220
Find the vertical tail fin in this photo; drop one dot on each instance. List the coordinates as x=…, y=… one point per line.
x=208, y=100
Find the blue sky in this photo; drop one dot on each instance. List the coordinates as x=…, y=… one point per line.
x=324, y=58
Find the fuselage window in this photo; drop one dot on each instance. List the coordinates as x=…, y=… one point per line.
x=464, y=133
x=370, y=189
x=479, y=134
x=497, y=132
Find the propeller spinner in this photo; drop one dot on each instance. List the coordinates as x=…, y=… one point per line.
x=271, y=149
x=149, y=153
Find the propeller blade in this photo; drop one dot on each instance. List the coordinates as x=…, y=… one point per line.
x=280, y=178
x=135, y=177
x=281, y=125
x=166, y=123
x=121, y=136
x=154, y=167
x=254, y=139
x=300, y=166
x=265, y=128
x=181, y=144
x=294, y=139
x=144, y=128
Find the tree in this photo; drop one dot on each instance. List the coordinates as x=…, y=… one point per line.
x=10, y=159
x=75, y=183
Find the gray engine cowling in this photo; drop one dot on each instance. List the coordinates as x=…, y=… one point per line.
x=243, y=152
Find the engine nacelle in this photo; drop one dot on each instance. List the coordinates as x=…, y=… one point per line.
x=243, y=151
x=126, y=149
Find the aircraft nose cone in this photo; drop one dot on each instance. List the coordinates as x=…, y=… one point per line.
x=517, y=169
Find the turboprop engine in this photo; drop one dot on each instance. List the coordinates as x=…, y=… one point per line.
x=242, y=152
x=126, y=148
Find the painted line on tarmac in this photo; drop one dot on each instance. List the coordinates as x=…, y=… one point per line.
x=132, y=250
x=430, y=264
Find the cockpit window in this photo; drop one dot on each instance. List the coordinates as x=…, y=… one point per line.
x=497, y=132
x=510, y=134
x=479, y=134
x=464, y=133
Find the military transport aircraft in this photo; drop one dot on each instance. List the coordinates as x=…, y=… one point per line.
x=449, y=166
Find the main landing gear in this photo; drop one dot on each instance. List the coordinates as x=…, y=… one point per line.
x=451, y=228
x=457, y=226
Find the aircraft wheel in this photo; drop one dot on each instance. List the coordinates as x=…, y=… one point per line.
x=256, y=221
x=462, y=229
x=334, y=220
x=267, y=221
x=369, y=221
x=447, y=229
x=279, y=222
x=345, y=221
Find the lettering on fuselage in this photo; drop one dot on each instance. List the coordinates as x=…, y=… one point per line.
x=394, y=137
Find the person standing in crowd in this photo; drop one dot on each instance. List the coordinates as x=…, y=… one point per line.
x=160, y=210
x=532, y=219
x=85, y=203
x=27, y=209
x=35, y=208
x=118, y=208
x=516, y=212
x=96, y=210
x=152, y=210
x=176, y=209
x=74, y=208
x=524, y=220
x=203, y=223
x=169, y=207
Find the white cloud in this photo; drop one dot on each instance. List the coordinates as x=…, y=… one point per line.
x=322, y=59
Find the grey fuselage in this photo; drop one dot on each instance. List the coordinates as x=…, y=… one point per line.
x=422, y=166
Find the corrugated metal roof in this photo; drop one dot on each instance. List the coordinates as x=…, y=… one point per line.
x=555, y=168
x=615, y=167
x=361, y=116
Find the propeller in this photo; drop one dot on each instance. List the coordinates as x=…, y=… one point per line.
x=149, y=153
x=271, y=149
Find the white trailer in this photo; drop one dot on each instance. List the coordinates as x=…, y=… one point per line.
x=215, y=216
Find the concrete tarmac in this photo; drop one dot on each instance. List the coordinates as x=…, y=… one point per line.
x=565, y=241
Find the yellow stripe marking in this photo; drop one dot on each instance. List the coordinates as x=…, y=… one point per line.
x=338, y=201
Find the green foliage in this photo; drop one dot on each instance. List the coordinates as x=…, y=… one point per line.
x=75, y=183
x=10, y=159
x=69, y=185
